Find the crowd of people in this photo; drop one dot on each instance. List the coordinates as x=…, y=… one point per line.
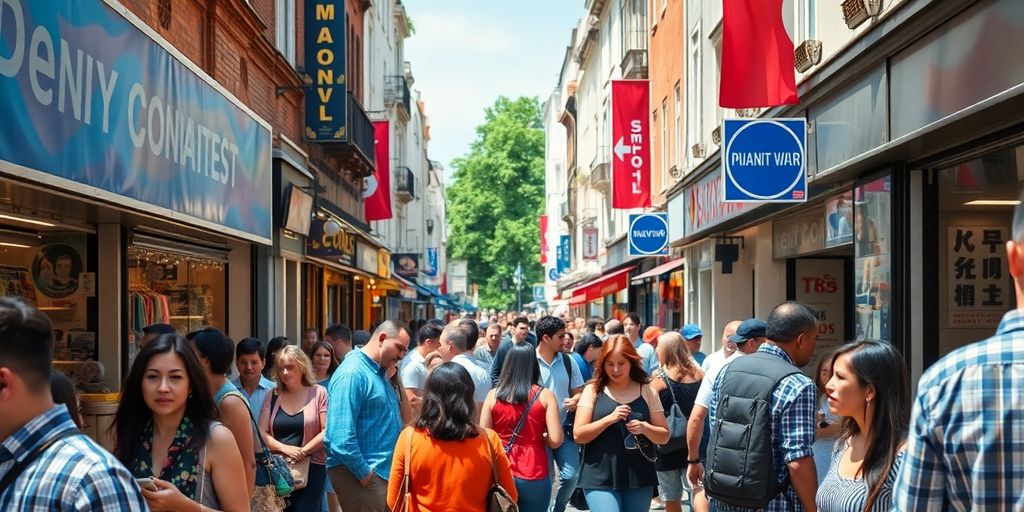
x=432, y=416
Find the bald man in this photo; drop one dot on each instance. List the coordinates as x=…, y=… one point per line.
x=727, y=351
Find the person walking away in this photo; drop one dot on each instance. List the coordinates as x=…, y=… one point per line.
x=364, y=420
x=960, y=442
x=694, y=338
x=619, y=420
x=526, y=417
x=166, y=429
x=559, y=373
x=250, y=360
x=46, y=464
x=484, y=353
x=829, y=425
x=585, y=353
x=215, y=353
x=62, y=391
x=455, y=347
x=449, y=459
x=676, y=382
x=152, y=332
x=632, y=327
x=293, y=419
x=869, y=389
x=339, y=337
x=414, y=371
x=520, y=332
x=324, y=361
x=781, y=428
x=727, y=351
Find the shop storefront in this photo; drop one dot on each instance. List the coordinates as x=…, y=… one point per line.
x=663, y=288
x=136, y=195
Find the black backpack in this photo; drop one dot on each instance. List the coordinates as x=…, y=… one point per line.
x=740, y=464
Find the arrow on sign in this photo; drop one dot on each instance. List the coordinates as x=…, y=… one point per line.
x=622, y=149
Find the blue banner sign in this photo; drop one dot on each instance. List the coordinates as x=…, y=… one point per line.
x=92, y=100
x=765, y=160
x=564, y=254
x=648, y=234
x=431, y=267
x=326, y=29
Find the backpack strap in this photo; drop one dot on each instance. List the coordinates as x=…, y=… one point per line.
x=764, y=369
x=566, y=359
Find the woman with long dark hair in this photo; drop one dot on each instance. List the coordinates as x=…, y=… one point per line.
x=166, y=430
x=324, y=360
x=520, y=398
x=63, y=392
x=869, y=389
x=273, y=346
x=448, y=457
x=829, y=425
x=619, y=418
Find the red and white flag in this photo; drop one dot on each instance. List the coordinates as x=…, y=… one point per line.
x=631, y=147
x=543, y=239
x=377, y=190
x=757, y=56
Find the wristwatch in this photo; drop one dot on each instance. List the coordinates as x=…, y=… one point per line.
x=695, y=461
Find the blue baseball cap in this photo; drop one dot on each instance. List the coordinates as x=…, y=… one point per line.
x=749, y=329
x=691, y=331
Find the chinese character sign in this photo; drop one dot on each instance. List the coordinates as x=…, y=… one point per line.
x=980, y=288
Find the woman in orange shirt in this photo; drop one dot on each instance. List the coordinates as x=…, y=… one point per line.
x=446, y=454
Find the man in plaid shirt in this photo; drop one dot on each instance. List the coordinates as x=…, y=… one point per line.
x=966, y=439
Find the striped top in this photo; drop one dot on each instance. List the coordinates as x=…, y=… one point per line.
x=73, y=474
x=840, y=494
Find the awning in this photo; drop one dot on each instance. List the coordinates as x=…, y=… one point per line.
x=602, y=286
x=660, y=269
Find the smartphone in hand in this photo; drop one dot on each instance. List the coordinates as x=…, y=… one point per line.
x=147, y=483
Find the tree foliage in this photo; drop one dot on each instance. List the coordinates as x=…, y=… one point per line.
x=496, y=199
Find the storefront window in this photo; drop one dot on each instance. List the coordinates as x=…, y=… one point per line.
x=873, y=259
x=187, y=292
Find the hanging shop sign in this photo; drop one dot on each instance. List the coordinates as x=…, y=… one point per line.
x=590, y=241
x=705, y=208
x=543, y=239
x=384, y=263
x=94, y=105
x=839, y=215
x=564, y=254
x=366, y=258
x=764, y=160
x=980, y=290
x=326, y=32
x=339, y=247
x=430, y=269
x=538, y=292
x=407, y=265
x=798, y=235
x=648, y=234
x=631, y=160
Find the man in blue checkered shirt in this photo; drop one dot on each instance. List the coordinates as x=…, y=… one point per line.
x=966, y=442
x=46, y=464
x=792, y=334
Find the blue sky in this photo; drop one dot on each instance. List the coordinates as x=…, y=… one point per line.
x=466, y=53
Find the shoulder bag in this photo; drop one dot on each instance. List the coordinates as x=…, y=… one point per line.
x=498, y=499
x=404, y=502
x=274, y=482
x=298, y=469
x=676, y=422
x=570, y=416
x=522, y=421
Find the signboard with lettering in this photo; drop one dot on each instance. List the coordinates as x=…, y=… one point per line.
x=340, y=247
x=631, y=162
x=798, y=235
x=648, y=234
x=980, y=286
x=407, y=265
x=819, y=285
x=590, y=242
x=326, y=32
x=764, y=160
x=564, y=254
x=705, y=208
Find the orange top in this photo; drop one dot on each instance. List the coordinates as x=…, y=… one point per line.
x=448, y=475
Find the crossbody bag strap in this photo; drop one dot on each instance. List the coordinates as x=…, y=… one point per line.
x=568, y=372
x=20, y=467
x=490, y=451
x=668, y=384
x=522, y=421
x=259, y=434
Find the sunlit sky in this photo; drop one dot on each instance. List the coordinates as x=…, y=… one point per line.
x=466, y=53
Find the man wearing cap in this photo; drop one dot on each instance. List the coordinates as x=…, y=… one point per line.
x=728, y=350
x=693, y=337
x=748, y=336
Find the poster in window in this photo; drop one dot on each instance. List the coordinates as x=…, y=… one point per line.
x=980, y=286
x=58, y=264
x=839, y=216
x=872, y=263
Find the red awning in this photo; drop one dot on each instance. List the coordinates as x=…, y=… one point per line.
x=660, y=269
x=602, y=286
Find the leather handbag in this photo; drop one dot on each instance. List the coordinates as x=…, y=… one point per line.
x=404, y=502
x=300, y=472
x=498, y=499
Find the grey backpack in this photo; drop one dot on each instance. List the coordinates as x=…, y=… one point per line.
x=741, y=466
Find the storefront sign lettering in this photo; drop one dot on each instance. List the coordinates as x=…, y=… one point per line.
x=325, y=62
x=979, y=286
x=340, y=247
x=795, y=236
x=819, y=285
x=704, y=205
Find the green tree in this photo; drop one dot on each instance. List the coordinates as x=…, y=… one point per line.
x=496, y=198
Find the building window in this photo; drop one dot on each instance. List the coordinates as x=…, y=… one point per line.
x=284, y=28
x=693, y=88
x=677, y=135
x=806, y=20
x=665, y=147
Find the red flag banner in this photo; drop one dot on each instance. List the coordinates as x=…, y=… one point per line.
x=757, y=56
x=543, y=239
x=631, y=147
x=377, y=191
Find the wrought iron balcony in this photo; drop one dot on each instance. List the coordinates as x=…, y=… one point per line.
x=355, y=152
x=396, y=92
x=405, y=184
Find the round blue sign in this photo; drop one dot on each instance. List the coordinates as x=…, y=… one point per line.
x=553, y=274
x=765, y=160
x=648, y=234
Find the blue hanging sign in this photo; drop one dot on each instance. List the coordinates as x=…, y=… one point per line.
x=431, y=267
x=564, y=254
x=648, y=234
x=765, y=160
x=326, y=30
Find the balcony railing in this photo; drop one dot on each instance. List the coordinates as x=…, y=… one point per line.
x=634, y=54
x=396, y=92
x=600, y=169
x=405, y=184
x=360, y=134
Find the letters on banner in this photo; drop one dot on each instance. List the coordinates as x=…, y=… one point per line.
x=631, y=149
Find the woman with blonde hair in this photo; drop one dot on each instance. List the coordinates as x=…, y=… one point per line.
x=676, y=382
x=293, y=418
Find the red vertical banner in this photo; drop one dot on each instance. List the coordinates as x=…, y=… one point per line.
x=757, y=56
x=631, y=144
x=543, y=239
x=377, y=190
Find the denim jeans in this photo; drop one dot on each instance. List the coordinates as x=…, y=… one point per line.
x=627, y=500
x=567, y=459
x=534, y=495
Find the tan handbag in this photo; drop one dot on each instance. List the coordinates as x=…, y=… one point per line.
x=498, y=499
x=300, y=472
x=404, y=503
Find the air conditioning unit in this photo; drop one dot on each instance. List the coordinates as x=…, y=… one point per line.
x=856, y=12
x=807, y=55
x=698, y=150
x=716, y=135
x=748, y=112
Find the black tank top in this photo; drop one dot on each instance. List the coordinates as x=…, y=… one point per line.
x=607, y=464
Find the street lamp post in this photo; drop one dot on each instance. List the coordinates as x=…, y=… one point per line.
x=518, y=278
